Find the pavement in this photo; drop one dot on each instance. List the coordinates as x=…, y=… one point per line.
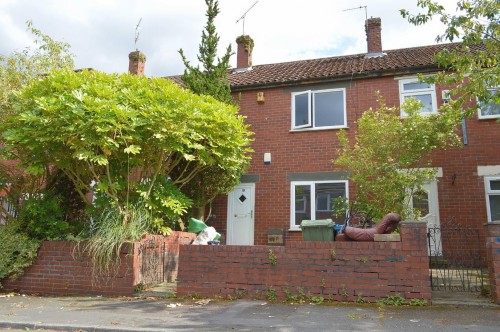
x=153, y=311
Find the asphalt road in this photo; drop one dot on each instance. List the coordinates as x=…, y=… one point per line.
x=155, y=314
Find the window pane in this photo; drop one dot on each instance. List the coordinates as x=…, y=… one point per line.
x=420, y=201
x=415, y=86
x=325, y=194
x=495, y=184
x=495, y=207
x=425, y=99
x=329, y=109
x=302, y=203
x=322, y=202
x=301, y=110
x=490, y=109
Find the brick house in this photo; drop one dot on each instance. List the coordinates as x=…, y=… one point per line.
x=295, y=110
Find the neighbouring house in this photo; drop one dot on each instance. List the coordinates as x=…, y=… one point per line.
x=296, y=109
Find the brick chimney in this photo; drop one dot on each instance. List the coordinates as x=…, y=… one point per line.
x=136, y=62
x=373, y=27
x=244, y=53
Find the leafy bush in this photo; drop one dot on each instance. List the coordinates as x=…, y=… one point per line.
x=166, y=203
x=42, y=217
x=17, y=251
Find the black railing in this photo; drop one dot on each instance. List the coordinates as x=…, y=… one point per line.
x=457, y=258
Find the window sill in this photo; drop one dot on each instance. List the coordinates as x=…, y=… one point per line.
x=294, y=230
x=491, y=117
x=316, y=129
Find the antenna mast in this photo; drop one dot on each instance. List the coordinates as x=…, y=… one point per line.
x=244, y=15
x=360, y=7
x=137, y=27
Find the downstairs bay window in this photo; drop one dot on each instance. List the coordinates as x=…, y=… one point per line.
x=313, y=200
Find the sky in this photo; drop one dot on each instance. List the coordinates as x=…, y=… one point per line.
x=102, y=32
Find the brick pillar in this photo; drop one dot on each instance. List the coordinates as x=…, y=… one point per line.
x=414, y=236
x=244, y=52
x=136, y=62
x=373, y=27
x=493, y=258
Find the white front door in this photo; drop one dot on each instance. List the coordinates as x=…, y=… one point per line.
x=240, y=222
x=426, y=200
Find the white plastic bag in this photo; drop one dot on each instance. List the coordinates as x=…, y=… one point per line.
x=208, y=234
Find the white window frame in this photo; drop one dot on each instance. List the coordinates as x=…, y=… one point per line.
x=490, y=192
x=402, y=94
x=293, y=184
x=494, y=116
x=310, y=125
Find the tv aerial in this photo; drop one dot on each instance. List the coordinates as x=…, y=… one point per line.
x=360, y=7
x=137, y=28
x=244, y=15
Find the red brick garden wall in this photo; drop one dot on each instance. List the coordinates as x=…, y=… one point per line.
x=342, y=271
x=60, y=269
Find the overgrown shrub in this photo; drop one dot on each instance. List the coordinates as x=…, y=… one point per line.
x=17, y=251
x=42, y=217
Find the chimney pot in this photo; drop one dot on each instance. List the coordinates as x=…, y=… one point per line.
x=136, y=62
x=244, y=53
x=373, y=27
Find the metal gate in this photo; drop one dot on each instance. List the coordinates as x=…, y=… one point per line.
x=457, y=259
x=153, y=255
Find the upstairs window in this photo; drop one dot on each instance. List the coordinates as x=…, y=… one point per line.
x=489, y=110
x=421, y=91
x=493, y=198
x=319, y=109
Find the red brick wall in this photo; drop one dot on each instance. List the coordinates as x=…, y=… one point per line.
x=493, y=257
x=61, y=270
x=338, y=270
x=313, y=151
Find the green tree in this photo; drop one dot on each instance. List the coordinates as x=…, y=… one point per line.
x=121, y=136
x=472, y=66
x=389, y=159
x=211, y=79
x=16, y=70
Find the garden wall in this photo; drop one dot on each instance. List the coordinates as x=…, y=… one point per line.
x=342, y=271
x=62, y=269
